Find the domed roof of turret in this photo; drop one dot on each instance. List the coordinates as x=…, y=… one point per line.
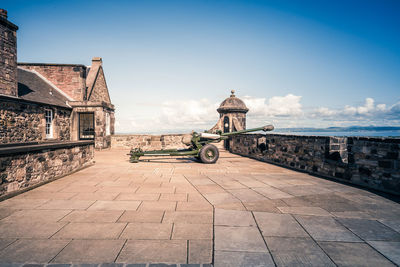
x=232, y=104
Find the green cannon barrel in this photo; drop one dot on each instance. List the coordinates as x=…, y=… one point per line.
x=264, y=128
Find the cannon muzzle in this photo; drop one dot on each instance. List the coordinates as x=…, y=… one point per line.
x=264, y=128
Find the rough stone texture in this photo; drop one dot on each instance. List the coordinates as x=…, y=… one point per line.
x=67, y=77
x=148, y=142
x=26, y=169
x=8, y=58
x=370, y=162
x=25, y=122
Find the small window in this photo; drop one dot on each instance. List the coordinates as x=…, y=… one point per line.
x=108, y=131
x=49, y=123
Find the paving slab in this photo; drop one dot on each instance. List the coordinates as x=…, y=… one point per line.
x=4, y=242
x=272, y=193
x=305, y=211
x=326, y=229
x=22, y=216
x=390, y=250
x=30, y=229
x=196, y=217
x=66, y=204
x=147, y=231
x=200, y=251
x=354, y=254
x=157, y=205
x=192, y=231
x=115, y=205
x=4, y=212
x=265, y=205
x=26, y=250
x=90, y=251
x=96, y=196
x=21, y=203
x=194, y=206
x=234, y=218
x=95, y=216
x=239, y=239
x=284, y=225
x=90, y=231
x=242, y=259
x=142, y=216
x=299, y=251
x=370, y=230
x=247, y=195
x=154, y=251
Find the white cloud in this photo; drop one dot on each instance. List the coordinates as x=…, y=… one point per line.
x=276, y=106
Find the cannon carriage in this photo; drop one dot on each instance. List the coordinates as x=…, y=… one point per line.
x=200, y=146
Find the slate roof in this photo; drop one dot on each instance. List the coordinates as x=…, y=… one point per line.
x=32, y=87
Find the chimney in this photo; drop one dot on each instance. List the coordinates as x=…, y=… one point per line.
x=3, y=13
x=8, y=54
x=97, y=61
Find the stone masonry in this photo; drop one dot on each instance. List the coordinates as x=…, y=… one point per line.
x=46, y=162
x=8, y=52
x=25, y=122
x=370, y=162
x=148, y=142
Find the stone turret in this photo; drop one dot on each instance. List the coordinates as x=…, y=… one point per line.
x=8, y=56
x=232, y=116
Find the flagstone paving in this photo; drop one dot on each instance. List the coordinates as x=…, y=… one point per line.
x=237, y=212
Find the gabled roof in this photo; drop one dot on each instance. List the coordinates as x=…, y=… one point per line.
x=34, y=87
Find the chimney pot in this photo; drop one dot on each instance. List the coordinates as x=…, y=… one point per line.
x=3, y=13
x=97, y=59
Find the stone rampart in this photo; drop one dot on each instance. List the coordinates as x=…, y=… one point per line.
x=369, y=162
x=148, y=142
x=25, y=165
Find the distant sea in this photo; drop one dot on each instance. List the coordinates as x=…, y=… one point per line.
x=344, y=133
x=372, y=131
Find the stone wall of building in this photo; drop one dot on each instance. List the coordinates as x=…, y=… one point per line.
x=370, y=162
x=148, y=142
x=8, y=56
x=70, y=78
x=22, y=121
x=25, y=166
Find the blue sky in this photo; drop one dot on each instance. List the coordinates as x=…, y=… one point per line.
x=169, y=64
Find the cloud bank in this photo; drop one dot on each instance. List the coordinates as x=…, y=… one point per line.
x=282, y=111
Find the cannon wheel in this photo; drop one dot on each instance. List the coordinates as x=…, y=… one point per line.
x=209, y=154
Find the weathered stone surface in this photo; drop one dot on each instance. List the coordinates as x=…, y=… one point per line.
x=167, y=251
x=284, y=225
x=147, y=231
x=354, y=254
x=90, y=251
x=90, y=231
x=239, y=239
x=96, y=216
x=326, y=229
x=242, y=259
x=142, y=216
x=390, y=250
x=192, y=231
x=297, y=252
x=25, y=250
x=200, y=251
x=370, y=229
x=233, y=218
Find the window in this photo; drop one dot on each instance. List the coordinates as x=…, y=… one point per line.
x=108, y=132
x=86, y=126
x=49, y=123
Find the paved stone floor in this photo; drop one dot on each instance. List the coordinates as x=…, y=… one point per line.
x=238, y=212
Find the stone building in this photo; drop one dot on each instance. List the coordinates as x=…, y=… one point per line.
x=51, y=102
x=232, y=116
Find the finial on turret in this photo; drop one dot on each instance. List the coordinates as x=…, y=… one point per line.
x=232, y=93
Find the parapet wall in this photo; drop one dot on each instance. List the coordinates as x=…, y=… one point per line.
x=370, y=162
x=148, y=142
x=26, y=165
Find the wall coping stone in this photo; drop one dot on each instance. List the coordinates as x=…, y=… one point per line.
x=23, y=148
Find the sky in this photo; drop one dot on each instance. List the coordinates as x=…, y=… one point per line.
x=169, y=64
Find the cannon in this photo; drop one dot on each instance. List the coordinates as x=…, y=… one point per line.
x=200, y=146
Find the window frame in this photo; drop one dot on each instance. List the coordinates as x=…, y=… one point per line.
x=49, y=118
